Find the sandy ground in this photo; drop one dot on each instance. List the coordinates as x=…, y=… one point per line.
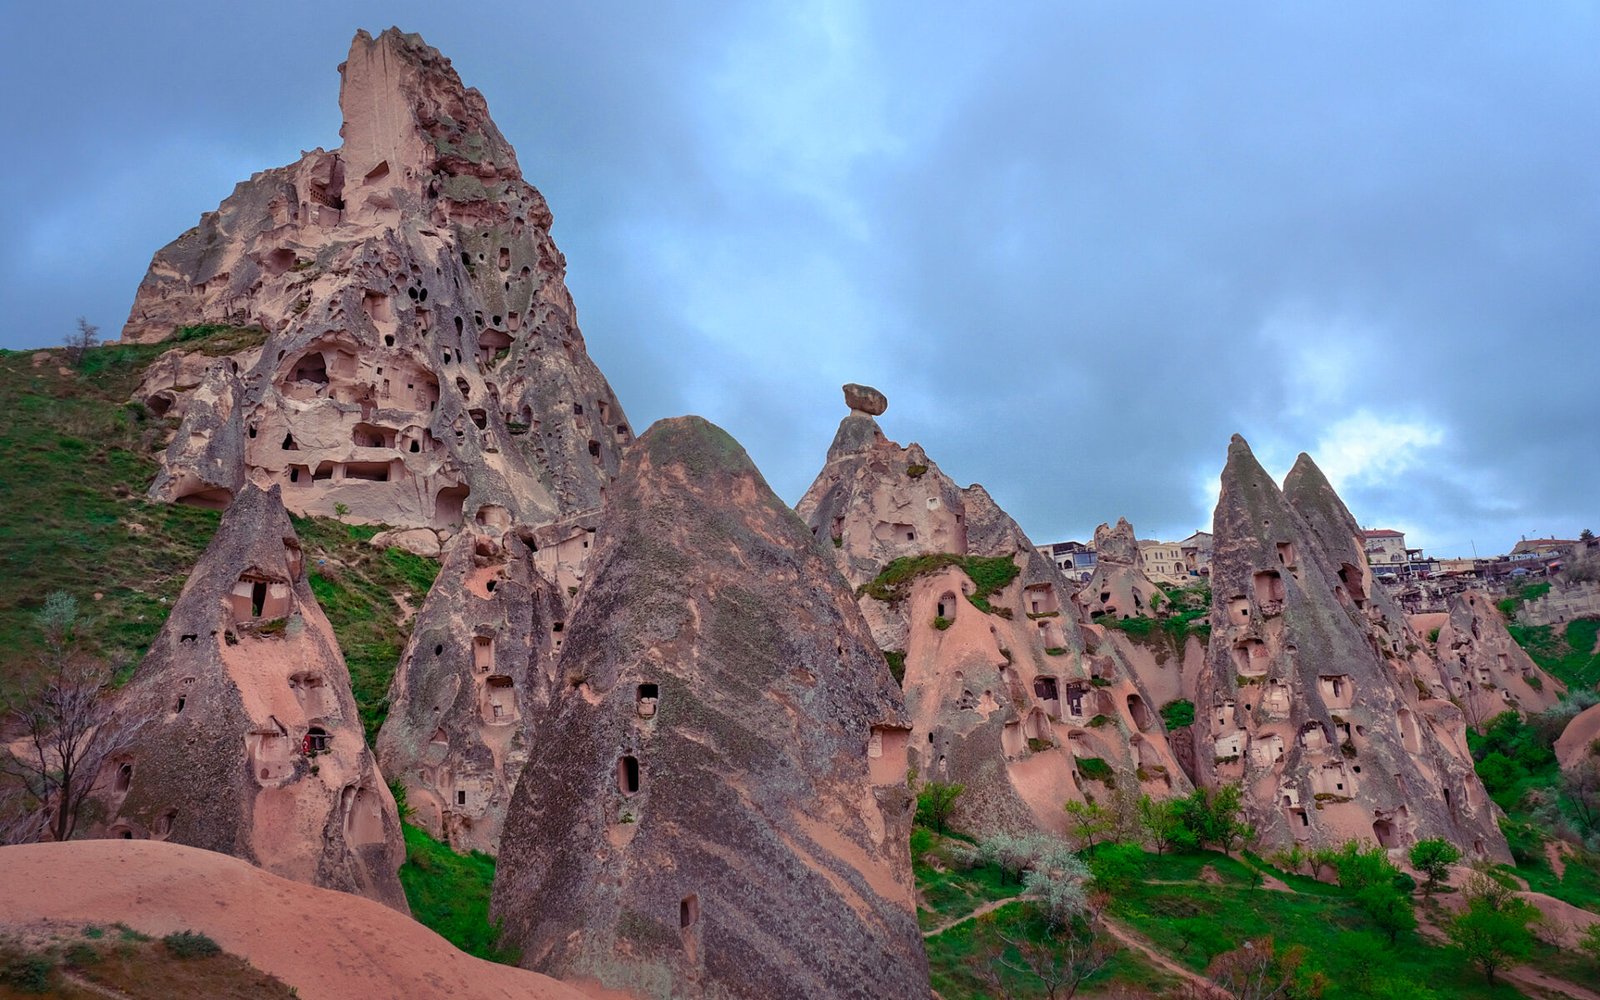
x=324, y=943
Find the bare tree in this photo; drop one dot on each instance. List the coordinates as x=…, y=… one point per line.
x=68, y=727
x=1059, y=964
x=80, y=341
x=1582, y=785
x=1254, y=971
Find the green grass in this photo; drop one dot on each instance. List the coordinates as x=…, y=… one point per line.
x=1193, y=923
x=946, y=890
x=449, y=893
x=989, y=575
x=1528, y=592
x=1566, y=652
x=79, y=459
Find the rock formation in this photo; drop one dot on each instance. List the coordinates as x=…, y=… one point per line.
x=1118, y=587
x=719, y=804
x=1005, y=695
x=478, y=668
x=1310, y=696
x=248, y=741
x=423, y=363
x=1483, y=668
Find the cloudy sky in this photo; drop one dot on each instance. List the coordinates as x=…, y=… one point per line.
x=1077, y=244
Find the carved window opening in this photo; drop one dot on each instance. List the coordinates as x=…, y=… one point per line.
x=628, y=775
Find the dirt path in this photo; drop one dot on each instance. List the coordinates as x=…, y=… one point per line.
x=1136, y=941
x=1557, y=858
x=1543, y=982
x=988, y=907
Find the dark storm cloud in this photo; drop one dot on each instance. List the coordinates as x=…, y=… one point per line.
x=1078, y=246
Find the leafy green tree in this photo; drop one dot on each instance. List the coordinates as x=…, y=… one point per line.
x=1215, y=818
x=1361, y=867
x=936, y=802
x=1089, y=821
x=1389, y=910
x=1163, y=825
x=1433, y=858
x=1491, y=937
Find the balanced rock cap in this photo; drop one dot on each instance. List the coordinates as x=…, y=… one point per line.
x=865, y=399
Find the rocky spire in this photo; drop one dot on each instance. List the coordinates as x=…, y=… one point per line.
x=422, y=362
x=1304, y=700
x=248, y=740
x=1006, y=696
x=478, y=668
x=719, y=806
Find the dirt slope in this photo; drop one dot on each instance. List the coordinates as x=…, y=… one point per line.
x=324, y=943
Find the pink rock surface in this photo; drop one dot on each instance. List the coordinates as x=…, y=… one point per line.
x=423, y=364
x=327, y=945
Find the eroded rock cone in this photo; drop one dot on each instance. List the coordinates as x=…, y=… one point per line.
x=1006, y=696
x=1484, y=669
x=719, y=805
x=422, y=362
x=1308, y=697
x=248, y=740
x=479, y=667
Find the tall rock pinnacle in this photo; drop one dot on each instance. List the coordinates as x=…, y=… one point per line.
x=249, y=742
x=1311, y=696
x=719, y=805
x=422, y=362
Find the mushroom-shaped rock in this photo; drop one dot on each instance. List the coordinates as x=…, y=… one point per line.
x=865, y=399
x=248, y=741
x=718, y=806
x=1003, y=695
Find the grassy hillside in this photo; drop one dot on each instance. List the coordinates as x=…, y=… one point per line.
x=78, y=458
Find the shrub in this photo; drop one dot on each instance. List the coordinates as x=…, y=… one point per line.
x=1177, y=714
x=191, y=944
x=941, y=623
x=29, y=973
x=1096, y=769
x=936, y=802
x=916, y=471
x=897, y=664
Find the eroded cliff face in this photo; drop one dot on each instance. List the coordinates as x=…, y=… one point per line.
x=1007, y=696
x=247, y=737
x=718, y=806
x=479, y=667
x=1314, y=694
x=423, y=364
x=1483, y=668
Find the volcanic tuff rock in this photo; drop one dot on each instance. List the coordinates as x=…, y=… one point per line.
x=719, y=805
x=479, y=666
x=1483, y=667
x=1118, y=587
x=423, y=361
x=1005, y=697
x=248, y=740
x=1311, y=696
